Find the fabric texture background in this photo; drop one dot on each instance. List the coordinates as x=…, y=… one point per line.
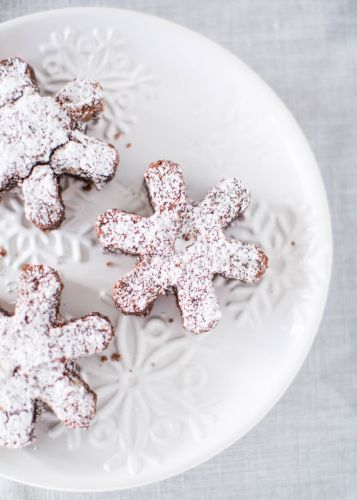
x=306, y=448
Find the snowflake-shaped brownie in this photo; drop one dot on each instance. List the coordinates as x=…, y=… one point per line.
x=42, y=138
x=181, y=247
x=37, y=349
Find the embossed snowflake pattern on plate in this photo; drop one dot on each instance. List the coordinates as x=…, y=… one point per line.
x=290, y=239
x=98, y=55
x=149, y=390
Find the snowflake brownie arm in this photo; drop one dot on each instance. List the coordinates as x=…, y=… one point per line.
x=82, y=99
x=166, y=187
x=137, y=290
x=71, y=400
x=198, y=304
x=244, y=262
x=16, y=79
x=225, y=202
x=87, y=158
x=42, y=198
x=81, y=337
x=39, y=295
x=121, y=232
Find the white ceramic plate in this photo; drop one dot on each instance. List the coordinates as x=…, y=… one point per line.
x=174, y=400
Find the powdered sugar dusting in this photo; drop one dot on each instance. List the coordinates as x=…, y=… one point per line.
x=34, y=128
x=181, y=247
x=36, y=346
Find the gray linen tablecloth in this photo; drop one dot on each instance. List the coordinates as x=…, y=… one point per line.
x=306, y=448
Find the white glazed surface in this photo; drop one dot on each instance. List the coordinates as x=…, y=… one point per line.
x=174, y=399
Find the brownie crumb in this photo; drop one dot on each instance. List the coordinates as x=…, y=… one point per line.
x=104, y=359
x=128, y=145
x=170, y=320
x=3, y=252
x=109, y=263
x=117, y=135
x=115, y=356
x=87, y=187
